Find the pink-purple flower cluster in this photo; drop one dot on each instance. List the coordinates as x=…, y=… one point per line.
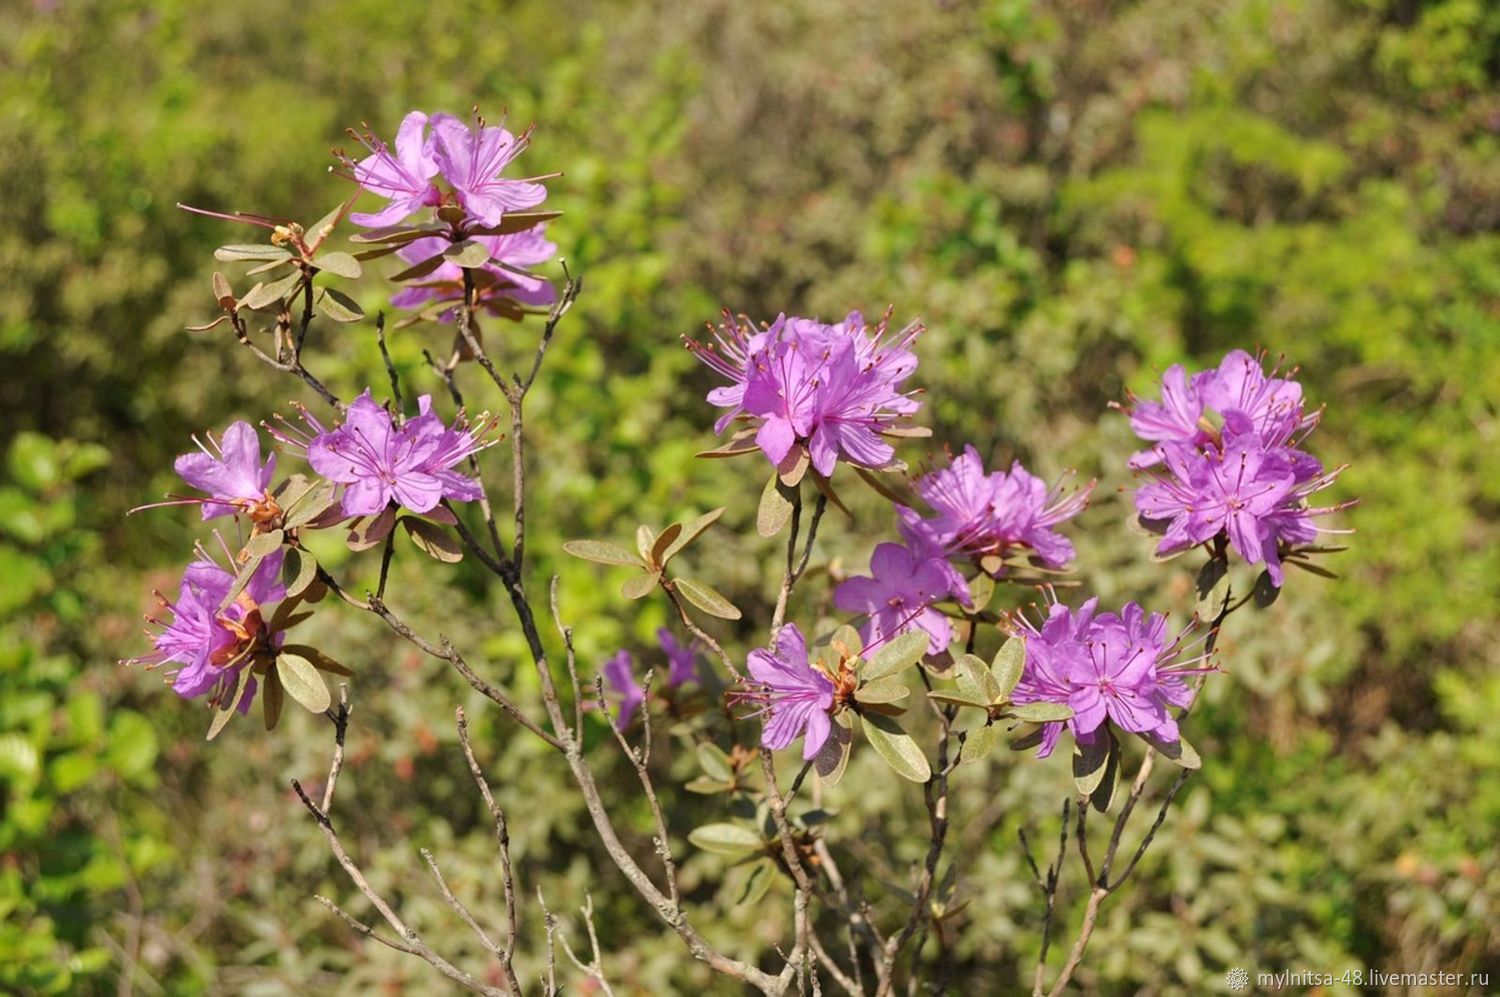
x=379, y=460
x=826, y=391
x=1120, y=668
x=469, y=159
x=211, y=645
x=899, y=594
x=619, y=674
x=978, y=517
x=1226, y=462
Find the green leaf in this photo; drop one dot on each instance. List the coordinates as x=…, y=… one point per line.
x=468, y=254
x=1179, y=752
x=339, y=264
x=886, y=690
x=846, y=636
x=637, y=586
x=240, y=581
x=979, y=742
x=974, y=680
x=659, y=547
x=645, y=538
x=958, y=699
x=1030, y=738
x=775, y=509
x=250, y=252
x=1096, y=766
x=517, y=221
x=421, y=269
x=271, y=699
x=302, y=681
x=714, y=762
x=226, y=710
x=371, y=531
x=981, y=591
x=705, y=786
x=433, y=540
x=833, y=757
x=395, y=234
x=320, y=661
x=265, y=544
x=336, y=306
x=262, y=295
x=601, y=552
x=317, y=500
x=1010, y=662
x=895, y=656
x=1039, y=713
x=896, y=747
x=692, y=531
x=793, y=469
x=757, y=880
x=726, y=839
x=706, y=598
x=1266, y=591
x=1213, y=589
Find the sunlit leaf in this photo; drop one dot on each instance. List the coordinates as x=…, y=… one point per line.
x=706, y=598
x=433, y=540
x=601, y=552
x=637, y=586
x=896, y=655
x=726, y=839
x=302, y=681
x=896, y=747
x=775, y=509
x=340, y=264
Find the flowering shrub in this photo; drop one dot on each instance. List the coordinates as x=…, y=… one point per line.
x=894, y=672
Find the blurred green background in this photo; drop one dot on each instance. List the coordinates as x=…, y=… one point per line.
x=1071, y=194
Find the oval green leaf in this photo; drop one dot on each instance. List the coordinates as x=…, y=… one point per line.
x=433, y=540
x=302, y=682
x=339, y=264
x=896, y=747
x=896, y=656
x=775, y=509
x=706, y=598
x=638, y=586
x=601, y=552
x=726, y=839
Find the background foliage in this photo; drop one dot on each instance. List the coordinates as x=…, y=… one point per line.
x=1071, y=194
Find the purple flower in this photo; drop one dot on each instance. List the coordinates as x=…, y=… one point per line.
x=1252, y=493
x=471, y=160
x=211, y=647
x=898, y=596
x=1226, y=462
x=682, y=659
x=981, y=515
x=1119, y=668
x=405, y=176
x=502, y=284
x=798, y=697
x=619, y=673
x=830, y=390
x=1238, y=385
x=230, y=471
x=378, y=461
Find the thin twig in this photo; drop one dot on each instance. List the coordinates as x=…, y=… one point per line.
x=502, y=837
